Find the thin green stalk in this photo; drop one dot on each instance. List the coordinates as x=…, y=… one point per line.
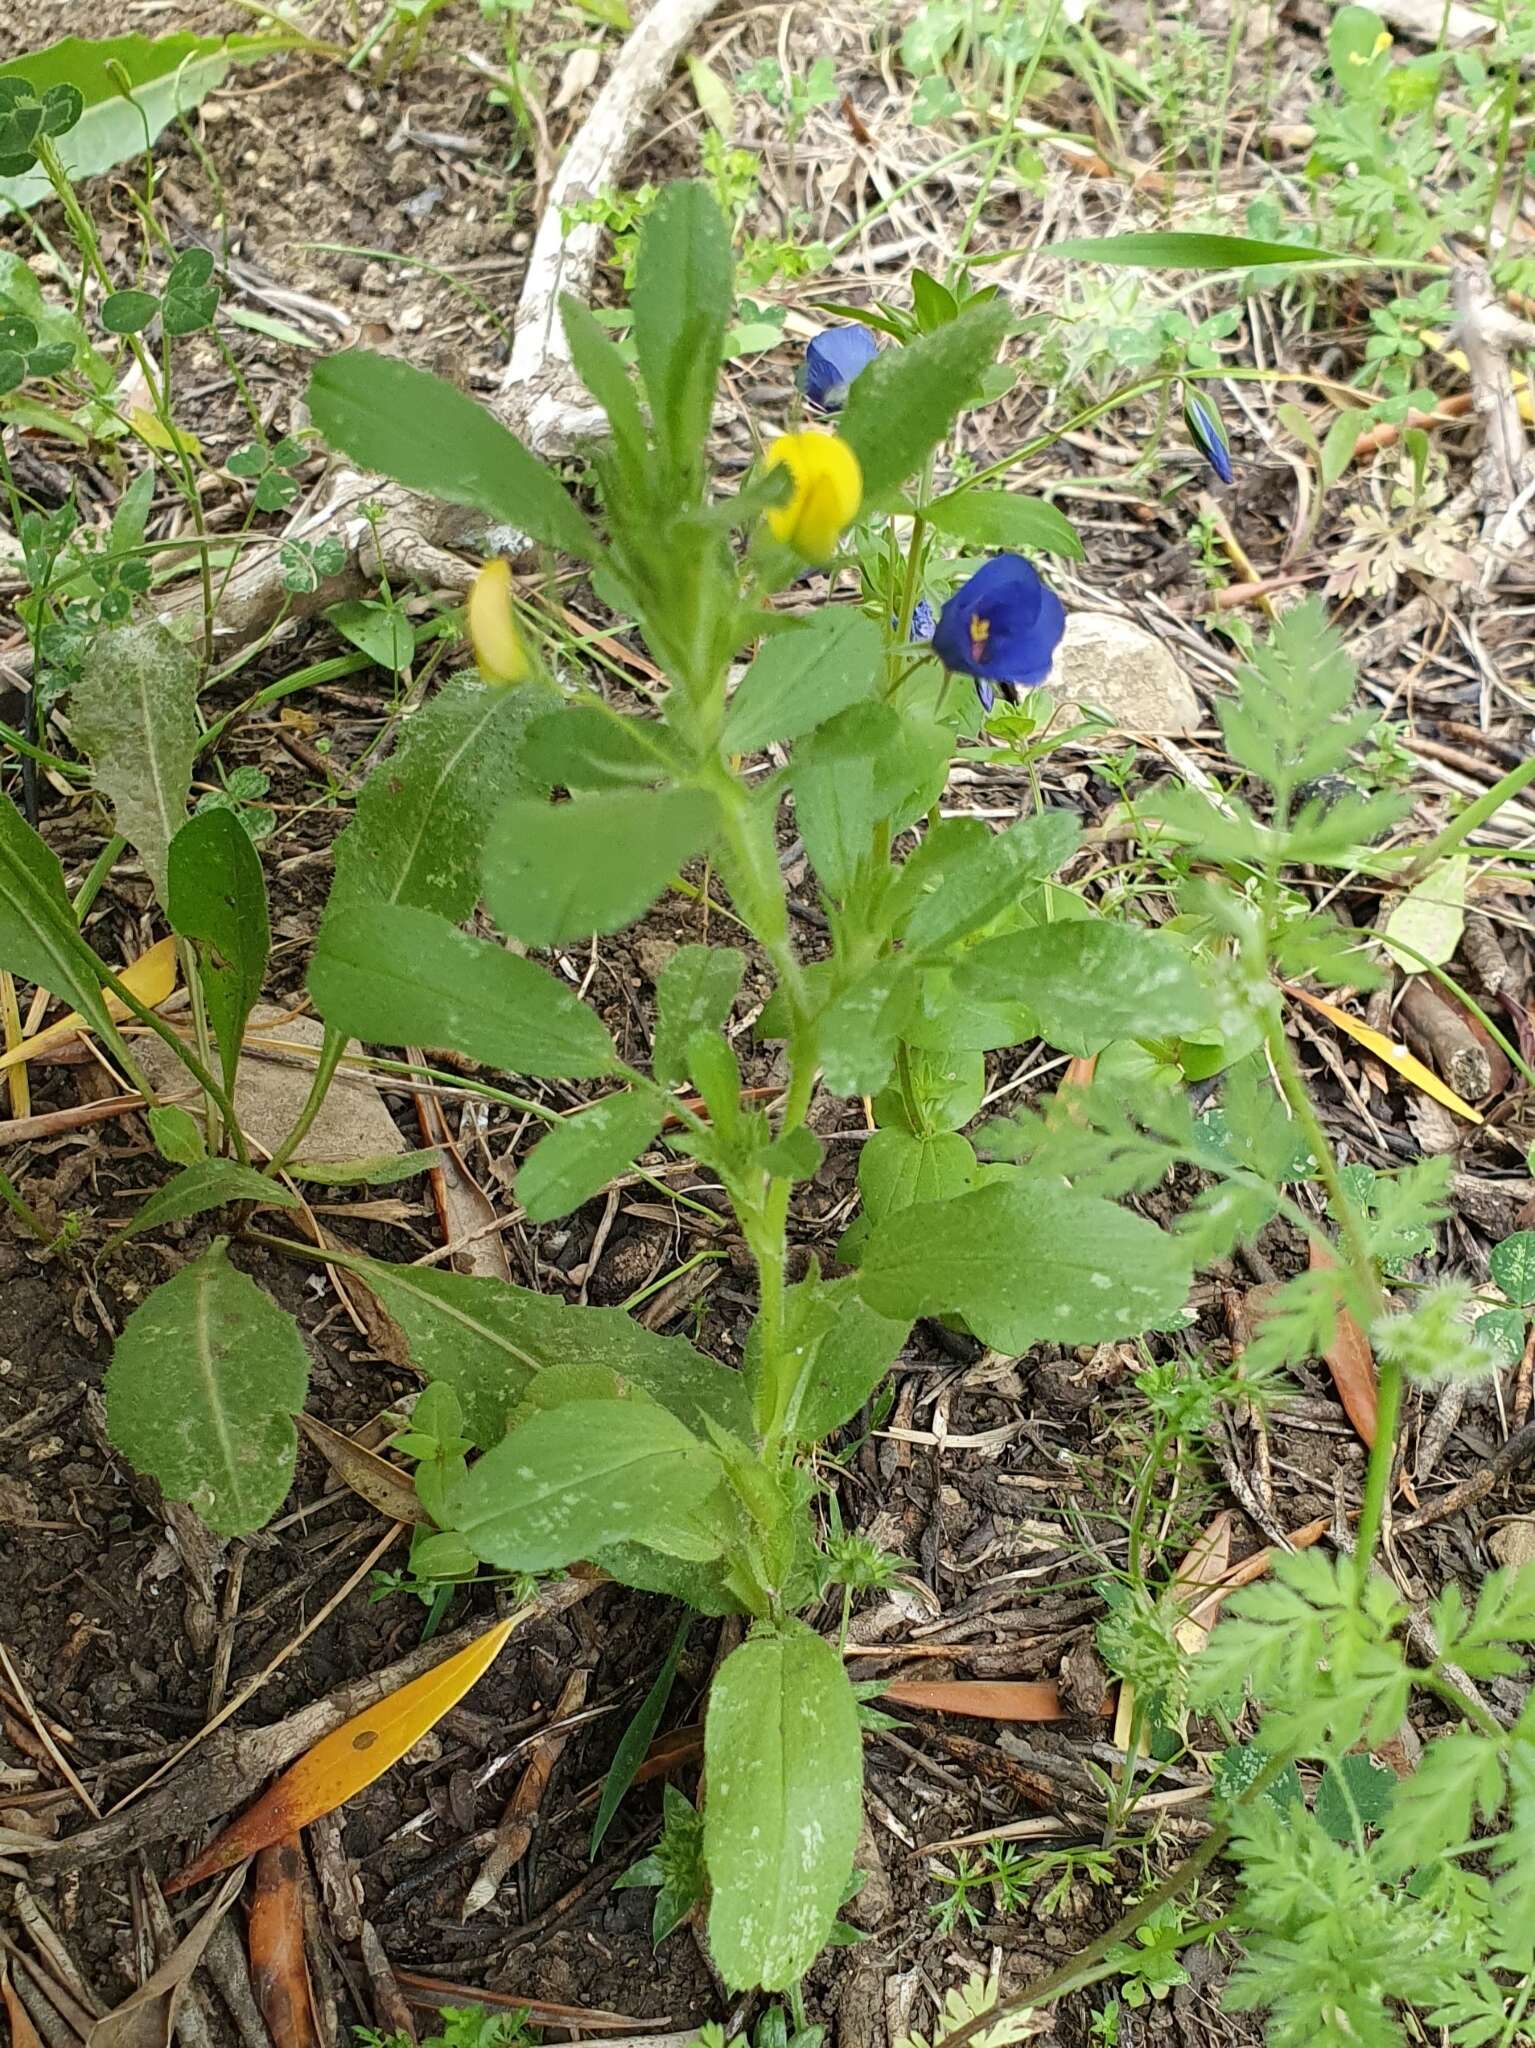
x=187, y=958
x=332, y=1050
x=21, y=1208
x=100, y=868
x=1377, y=1477
x=1471, y=819
x=194, y=1066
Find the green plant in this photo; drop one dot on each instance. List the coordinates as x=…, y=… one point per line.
x=463, y=2026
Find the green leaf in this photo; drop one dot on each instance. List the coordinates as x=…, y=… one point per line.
x=976, y=874
x=380, y=631
x=572, y=1479
x=488, y=1339
x=203, y=1385
x=165, y=75
x=209, y=1184
x=1513, y=1267
x=559, y=872
x=867, y=765
x=637, y=1738
x=1005, y=519
x=177, y=1134
x=128, y=312
x=383, y=1170
x=683, y=297
x=1090, y=983
x=191, y=298
x=902, y=404
x=1354, y=1792
x=1501, y=1331
x=39, y=938
x=135, y=715
x=584, y=747
x=803, y=677
x=392, y=975
x=845, y=1349
x=694, y=993
x=601, y=367
x=417, y=836
x=583, y=1152
x=1024, y=1262
x=933, y=1092
x=1178, y=251
x=783, y=1762
x=897, y=1169
x=403, y=422
x=215, y=894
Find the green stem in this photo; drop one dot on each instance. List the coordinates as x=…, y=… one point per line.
x=332, y=1051
x=1471, y=819
x=21, y=1208
x=1377, y=1478
x=770, y=1245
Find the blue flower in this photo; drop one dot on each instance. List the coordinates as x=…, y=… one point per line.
x=923, y=624
x=1001, y=628
x=1207, y=433
x=832, y=361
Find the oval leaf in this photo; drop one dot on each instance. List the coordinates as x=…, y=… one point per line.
x=803, y=677
x=1088, y=983
x=783, y=1762
x=135, y=715
x=559, y=872
x=583, y=1152
x=391, y=975
x=1004, y=519
x=201, y=1391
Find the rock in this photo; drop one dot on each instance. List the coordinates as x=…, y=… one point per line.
x=1121, y=669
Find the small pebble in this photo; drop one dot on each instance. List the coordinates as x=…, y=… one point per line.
x=367, y=128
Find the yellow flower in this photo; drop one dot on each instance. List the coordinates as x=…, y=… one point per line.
x=828, y=489
x=498, y=646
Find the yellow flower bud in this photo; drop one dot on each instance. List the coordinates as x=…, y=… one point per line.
x=828, y=489
x=498, y=646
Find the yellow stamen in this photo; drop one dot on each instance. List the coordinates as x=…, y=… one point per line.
x=980, y=633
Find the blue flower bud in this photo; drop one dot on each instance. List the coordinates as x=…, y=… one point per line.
x=1001, y=628
x=1207, y=433
x=832, y=361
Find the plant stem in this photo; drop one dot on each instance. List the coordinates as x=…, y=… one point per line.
x=21, y=1208
x=1470, y=820
x=331, y=1052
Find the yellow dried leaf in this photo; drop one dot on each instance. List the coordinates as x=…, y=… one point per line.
x=151, y=978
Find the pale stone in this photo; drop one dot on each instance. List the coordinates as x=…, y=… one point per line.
x=1123, y=670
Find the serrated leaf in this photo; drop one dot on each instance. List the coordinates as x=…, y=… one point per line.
x=694, y=993
x=209, y=1184
x=417, y=836
x=573, y=1479
x=1024, y=1262
x=39, y=937
x=392, y=975
x=201, y=1391
x=135, y=715
x=215, y=895
x=803, y=677
x=901, y=405
x=560, y=872
x=403, y=422
x=783, y=1761
x=1005, y=519
x=1090, y=983
x=584, y=1151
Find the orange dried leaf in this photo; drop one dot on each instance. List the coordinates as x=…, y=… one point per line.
x=151, y=978
x=1351, y=1363
x=23, y=2033
x=350, y=1757
x=986, y=1699
x=279, y=1970
x=1389, y=1051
